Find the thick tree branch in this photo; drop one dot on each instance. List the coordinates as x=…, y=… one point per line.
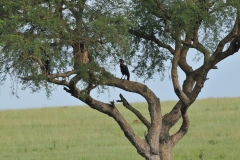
x=136, y=112
x=170, y=119
x=72, y=86
x=233, y=36
x=181, y=95
x=198, y=46
x=232, y=49
x=182, y=131
x=201, y=75
x=59, y=82
x=153, y=107
x=227, y=39
x=183, y=57
x=108, y=109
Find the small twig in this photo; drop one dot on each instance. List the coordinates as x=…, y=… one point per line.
x=66, y=89
x=112, y=103
x=214, y=67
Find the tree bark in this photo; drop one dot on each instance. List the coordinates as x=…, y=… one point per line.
x=166, y=151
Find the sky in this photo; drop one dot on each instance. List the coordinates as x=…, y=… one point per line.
x=223, y=82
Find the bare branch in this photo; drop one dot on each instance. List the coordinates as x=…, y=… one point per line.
x=232, y=49
x=170, y=119
x=198, y=46
x=72, y=85
x=153, y=107
x=113, y=112
x=228, y=38
x=182, y=131
x=181, y=95
x=201, y=74
x=136, y=112
x=183, y=61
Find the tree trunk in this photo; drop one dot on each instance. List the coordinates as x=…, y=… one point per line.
x=154, y=157
x=165, y=151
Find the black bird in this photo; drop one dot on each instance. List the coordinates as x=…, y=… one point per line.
x=124, y=69
x=47, y=66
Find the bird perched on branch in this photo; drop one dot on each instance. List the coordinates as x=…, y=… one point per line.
x=47, y=66
x=124, y=69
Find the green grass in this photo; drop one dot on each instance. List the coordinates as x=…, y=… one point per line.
x=80, y=133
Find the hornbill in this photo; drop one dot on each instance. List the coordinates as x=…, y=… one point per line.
x=124, y=69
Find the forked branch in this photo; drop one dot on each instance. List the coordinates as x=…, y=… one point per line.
x=136, y=112
x=227, y=38
x=153, y=106
x=113, y=112
x=174, y=72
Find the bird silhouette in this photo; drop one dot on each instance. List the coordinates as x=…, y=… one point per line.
x=47, y=66
x=124, y=69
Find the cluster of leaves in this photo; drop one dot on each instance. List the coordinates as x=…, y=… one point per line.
x=32, y=30
x=156, y=24
x=35, y=31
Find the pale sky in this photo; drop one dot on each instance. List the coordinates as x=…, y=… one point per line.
x=223, y=82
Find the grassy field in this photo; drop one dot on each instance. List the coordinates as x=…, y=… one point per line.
x=80, y=133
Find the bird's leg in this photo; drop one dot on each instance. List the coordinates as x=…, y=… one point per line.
x=122, y=76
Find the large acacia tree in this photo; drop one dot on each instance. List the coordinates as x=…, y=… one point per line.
x=72, y=42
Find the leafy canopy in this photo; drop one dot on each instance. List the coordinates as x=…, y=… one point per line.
x=32, y=32
x=144, y=33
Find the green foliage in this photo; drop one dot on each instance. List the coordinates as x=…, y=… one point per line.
x=54, y=30
x=148, y=57
x=51, y=30
x=160, y=22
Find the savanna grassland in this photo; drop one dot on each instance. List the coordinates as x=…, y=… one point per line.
x=80, y=133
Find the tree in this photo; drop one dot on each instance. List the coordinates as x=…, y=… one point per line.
x=70, y=43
